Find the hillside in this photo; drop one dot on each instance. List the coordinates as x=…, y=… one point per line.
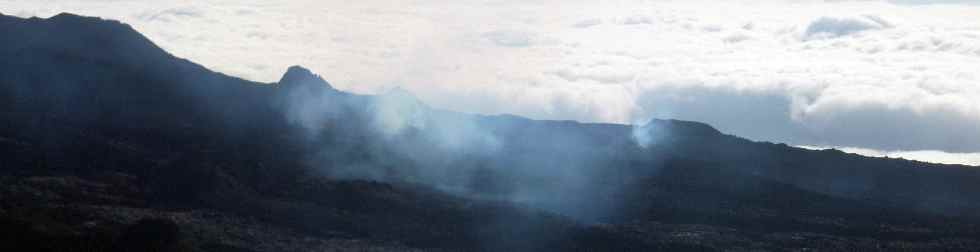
x=110, y=143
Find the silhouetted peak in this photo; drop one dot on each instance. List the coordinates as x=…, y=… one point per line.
x=105, y=27
x=65, y=16
x=95, y=24
x=90, y=38
x=687, y=128
x=298, y=76
x=298, y=71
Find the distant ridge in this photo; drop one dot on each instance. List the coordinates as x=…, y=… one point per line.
x=99, y=125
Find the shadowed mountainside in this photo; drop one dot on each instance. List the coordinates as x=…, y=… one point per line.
x=106, y=138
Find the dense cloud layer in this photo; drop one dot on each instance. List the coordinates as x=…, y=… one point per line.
x=876, y=75
x=931, y=156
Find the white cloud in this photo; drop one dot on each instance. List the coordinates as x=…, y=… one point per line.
x=170, y=15
x=829, y=27
x=509, y=38
x=588, y=23
x=872, y=74
x=931, y=156
x=636, y=20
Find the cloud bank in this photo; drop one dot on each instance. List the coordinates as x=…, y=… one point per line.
x=888, y=75
x=931, y=156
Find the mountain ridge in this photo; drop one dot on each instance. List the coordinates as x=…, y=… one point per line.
x=202, y=148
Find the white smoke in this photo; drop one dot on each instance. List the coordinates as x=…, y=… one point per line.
x=398, y=111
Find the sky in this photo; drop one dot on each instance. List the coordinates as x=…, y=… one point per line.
x=883, y=78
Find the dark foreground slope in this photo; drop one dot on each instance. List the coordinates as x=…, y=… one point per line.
x=109, y=143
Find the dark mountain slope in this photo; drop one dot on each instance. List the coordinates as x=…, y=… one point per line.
x=191, y=142
x=101, y=129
